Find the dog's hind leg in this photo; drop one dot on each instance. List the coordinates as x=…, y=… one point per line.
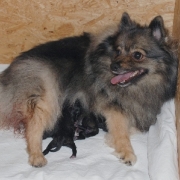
x=54, y=145
x=74, y=151
x=69, y=142
x=29, y=98
x=41, y=119
x=34, y=132
x=118, y=136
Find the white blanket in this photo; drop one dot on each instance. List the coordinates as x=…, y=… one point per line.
x=156, y=156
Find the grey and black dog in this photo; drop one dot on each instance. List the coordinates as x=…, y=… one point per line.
x=125, y=73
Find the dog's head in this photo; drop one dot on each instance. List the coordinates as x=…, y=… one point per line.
x=141, y=52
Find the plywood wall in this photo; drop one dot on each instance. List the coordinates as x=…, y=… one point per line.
x=176, y=34
x=24, y=23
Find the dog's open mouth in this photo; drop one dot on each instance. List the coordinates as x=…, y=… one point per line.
x=126, y=78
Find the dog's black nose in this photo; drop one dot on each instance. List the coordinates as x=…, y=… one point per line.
x=115, y=66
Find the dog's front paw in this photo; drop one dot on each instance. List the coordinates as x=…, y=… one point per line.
x=127, y=157
x=37, y=160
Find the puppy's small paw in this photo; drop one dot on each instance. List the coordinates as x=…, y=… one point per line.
x=72, y=157
x=37, y=160
x=128, y=157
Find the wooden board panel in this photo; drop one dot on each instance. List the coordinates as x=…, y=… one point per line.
x=24, y=24
x=176, y=34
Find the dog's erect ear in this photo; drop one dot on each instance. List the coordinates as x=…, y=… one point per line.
x=125, y=22
x=157, y=28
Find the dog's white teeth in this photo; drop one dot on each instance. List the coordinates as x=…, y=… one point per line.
x=134, y=74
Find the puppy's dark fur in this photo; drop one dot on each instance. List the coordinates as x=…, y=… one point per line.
x=63, y=131
x=125, y=74
x=74, y=124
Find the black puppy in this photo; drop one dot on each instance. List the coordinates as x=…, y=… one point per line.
x=63, y=132
x=88, y=124
x=75, y=124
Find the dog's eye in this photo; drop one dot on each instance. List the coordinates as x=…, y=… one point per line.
x=118, y=52
x=137, y=56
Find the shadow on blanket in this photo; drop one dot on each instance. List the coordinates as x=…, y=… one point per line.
x=74, y=124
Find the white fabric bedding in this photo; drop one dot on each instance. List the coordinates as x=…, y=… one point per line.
x=156, y=153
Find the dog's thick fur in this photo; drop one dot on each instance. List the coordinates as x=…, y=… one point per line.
x=125, y=74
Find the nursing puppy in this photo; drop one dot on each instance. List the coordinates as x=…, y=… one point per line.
x=125, y=74
x=74, y=124
x=63, y=131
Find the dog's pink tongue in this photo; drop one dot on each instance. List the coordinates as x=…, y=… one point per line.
x=120, y=78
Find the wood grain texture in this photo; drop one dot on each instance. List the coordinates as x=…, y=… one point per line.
x=176, y=34
x=24, y=24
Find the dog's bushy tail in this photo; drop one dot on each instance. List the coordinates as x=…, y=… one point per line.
x=6, y=108
x=14, y=99
x=27, y=92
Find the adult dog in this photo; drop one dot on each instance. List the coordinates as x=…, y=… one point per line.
x=125, y=74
